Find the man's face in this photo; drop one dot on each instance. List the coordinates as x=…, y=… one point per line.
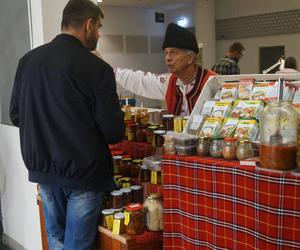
x=177, y=60
x=93, y=34
x=237, y=55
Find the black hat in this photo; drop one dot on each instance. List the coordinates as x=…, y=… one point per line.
x=178, y=37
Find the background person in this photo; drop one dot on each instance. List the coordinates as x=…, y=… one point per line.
x=229, y=64
x=290, y=66
x=182, y=85
x=65, y=104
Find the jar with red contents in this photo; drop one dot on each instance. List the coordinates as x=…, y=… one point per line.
x=126, y=166
x=134, y=219
x=131, y=131
x=140, y=133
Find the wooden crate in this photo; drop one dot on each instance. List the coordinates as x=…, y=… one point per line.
x=108, y=241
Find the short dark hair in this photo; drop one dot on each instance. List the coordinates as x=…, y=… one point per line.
x=76, y=12
x=290, y=63
x=237, y=46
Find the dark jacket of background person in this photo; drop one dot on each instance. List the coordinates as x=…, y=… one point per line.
x=64, y=101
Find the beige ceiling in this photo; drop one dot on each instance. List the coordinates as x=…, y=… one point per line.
x=167, y=4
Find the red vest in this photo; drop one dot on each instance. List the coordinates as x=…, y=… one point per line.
x=174, y=96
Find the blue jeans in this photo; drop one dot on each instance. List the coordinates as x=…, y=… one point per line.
x=71, y=217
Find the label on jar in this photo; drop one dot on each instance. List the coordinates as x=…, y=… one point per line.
x=116, y=227
x=109, y=221
x=126, y=185
x=153, y=177
x=127, y=218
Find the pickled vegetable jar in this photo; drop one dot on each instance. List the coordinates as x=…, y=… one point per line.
x=134, y=219
x=278, y=136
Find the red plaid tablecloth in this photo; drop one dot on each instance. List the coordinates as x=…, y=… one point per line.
x=216, y=204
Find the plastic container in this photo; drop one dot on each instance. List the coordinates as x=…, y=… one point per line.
x=183, y=140
x=153, y=208
x=134, y=219
x=186, y=150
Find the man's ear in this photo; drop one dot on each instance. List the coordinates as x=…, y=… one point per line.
x=89, y=24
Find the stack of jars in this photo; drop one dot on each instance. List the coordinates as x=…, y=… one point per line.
x=185, y=144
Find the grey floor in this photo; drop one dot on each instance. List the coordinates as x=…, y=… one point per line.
x=3, y=240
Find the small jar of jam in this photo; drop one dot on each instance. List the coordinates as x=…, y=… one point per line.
x=229, y=149
x=117, y=164
x=131, y=131
x=136, y=167
x=127, y=196
x=134, y=219
x=150, y=133
x=107, y=218
x=145, y=174
x=140, y=133
x=216, y=147
x=118, y=225
x=137, y=194
x=126, y=166
x=168, y=121
x=116, y=199
x=159, y=138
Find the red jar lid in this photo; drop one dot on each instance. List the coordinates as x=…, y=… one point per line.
x=134, y=207
x=116, y=152
x=230, y=139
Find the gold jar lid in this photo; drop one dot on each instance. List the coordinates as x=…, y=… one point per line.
x=243, y=141
x=154, y=196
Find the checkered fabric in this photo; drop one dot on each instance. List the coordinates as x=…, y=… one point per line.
x=217, y=204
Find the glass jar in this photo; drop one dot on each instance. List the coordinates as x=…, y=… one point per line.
x=131, y=131
x=118, y=225
x=117, y=164
x=137, y=194
x=154, y=211
x=150, y=133
x=203, y=146
x=168, y=122
x=140, y=133
x=127, y=196
x=184, y=121
x=107, y=218
x=126, y=166
x=278, y=136
x=216, y=147
x=134, y=219
x=229, y=149
x=136, y=167
x=126, y=182
x=178, y=124
x=244, y=150
x=159, y=138
x=145, y=174
x=156, y=177
x=116, y=199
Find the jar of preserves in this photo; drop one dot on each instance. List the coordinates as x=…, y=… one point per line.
x=159, y=138
x=184, y=121
x=137, y=194
x=131, y=131
x=244, y=150
x=134, y=219
x=150, y=133
x=126, y=182
x=140, y=133
x=145, y=174
x=136, y=167
x=278, y=136
x=127, y=196
x=107, y=218
x=203, y=146
x=126, y=166
x=118, y=225
x=168, y=122
x=229, y=149
x=116, y=199
x=117, y=164
x=156, y=177
x=154, y=211
x=216, y=147
x=178, y=124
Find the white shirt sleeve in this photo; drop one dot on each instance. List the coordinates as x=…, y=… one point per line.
x=144, y=84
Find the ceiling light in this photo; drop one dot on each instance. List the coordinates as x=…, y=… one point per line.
x=99, y=1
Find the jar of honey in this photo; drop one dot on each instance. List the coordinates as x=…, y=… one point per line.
x=168, y=121
x=126, y=167
x=136, y=167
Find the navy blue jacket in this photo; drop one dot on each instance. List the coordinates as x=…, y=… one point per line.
x=65, y=103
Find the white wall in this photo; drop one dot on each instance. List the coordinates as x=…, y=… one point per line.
x=18, y=195
x=174, y=14
x=250, y=61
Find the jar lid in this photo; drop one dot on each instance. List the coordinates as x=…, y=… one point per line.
x=119, y=216
x=127, y=159
x=107, y=211
x=125, y=179
x=125, y=190
x=154, y=196
x=116, y=193
x=230, y=139
x=134, y=207
x=159, y=132
x=243, y=141
x=137, y=161
x=136, y=187
x=118, y=176
x=117, y=157
x=144, y=167
x=168, y=116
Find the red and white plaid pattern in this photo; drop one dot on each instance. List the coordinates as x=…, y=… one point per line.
x=216, y=204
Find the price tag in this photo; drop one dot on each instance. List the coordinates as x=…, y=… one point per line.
x=126, y=185
x=109, y=221
x=153, y=177
x=127, y=218
x=116, y=227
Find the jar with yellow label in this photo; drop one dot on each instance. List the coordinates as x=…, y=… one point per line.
x=134, y=219
x=184, y=121
x=118, y=225
x=107, y=218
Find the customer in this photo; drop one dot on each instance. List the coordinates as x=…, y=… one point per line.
x=65, y=103
x=183, y=84
x=290, y=66
x=229, y=64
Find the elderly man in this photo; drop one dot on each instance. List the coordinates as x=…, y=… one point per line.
x=183, y=84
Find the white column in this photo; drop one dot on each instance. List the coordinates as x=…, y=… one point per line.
x=35, y=17
x=205, y=30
